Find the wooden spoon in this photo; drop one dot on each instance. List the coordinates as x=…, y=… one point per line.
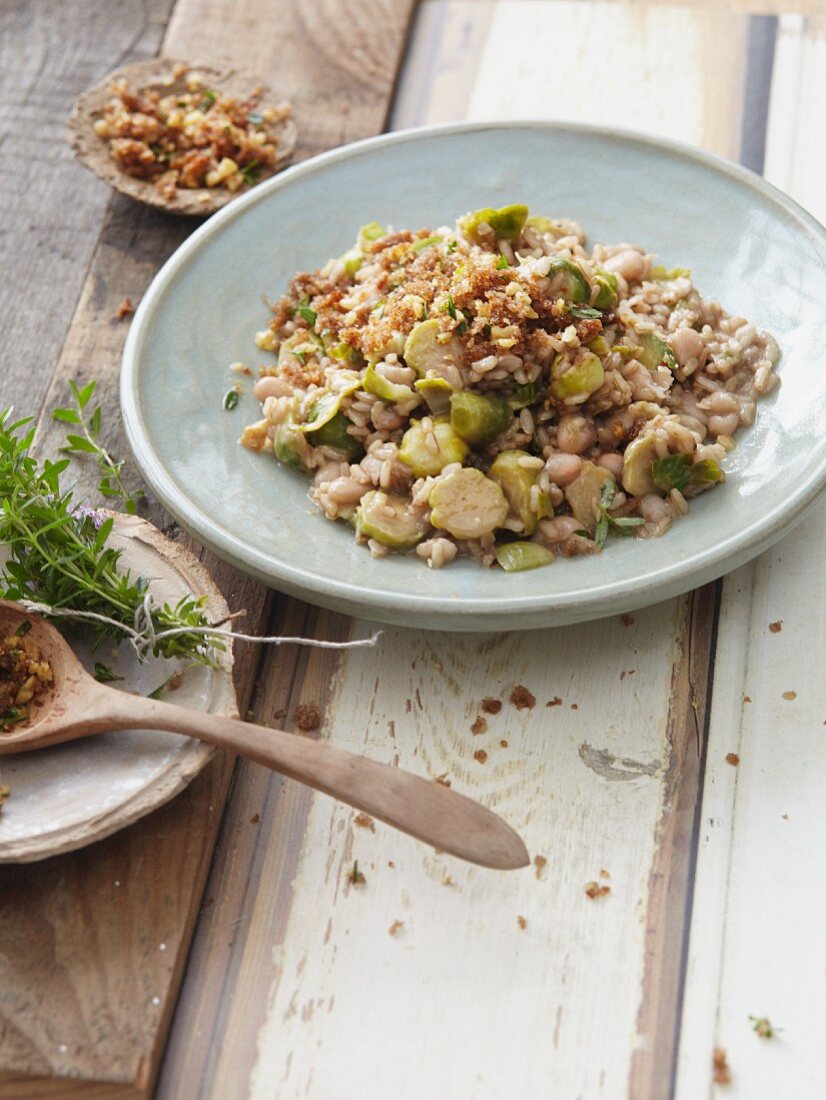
x=76, y=705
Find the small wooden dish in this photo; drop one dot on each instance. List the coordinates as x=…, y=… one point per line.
x=93, y=151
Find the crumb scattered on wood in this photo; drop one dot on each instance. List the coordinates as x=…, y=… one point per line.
x=574, y=706
x=307, y=717
x=540, y=863
x=746, y=698
x=604, y=874
x=503, y=744
x=279, y=714
x=523, y=924
x=776, y=627
x=555, y=702
x=390, y=863
x=447, y=880
x=480, y=756
x=491, y=706
x=355, y=876
x=479, y=726
x=365, y=821
x=763, y=1027
x=595, y=890
x=521, y=698
x=255, y=819
x=732, y=758
x=720, y=1072
x=395, y=927
x=627, y=619
x=125, y=309
x=785, y=817
x=789, y=695
x=443, y=779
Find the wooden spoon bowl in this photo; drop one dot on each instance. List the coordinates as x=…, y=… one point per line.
x=76, y=705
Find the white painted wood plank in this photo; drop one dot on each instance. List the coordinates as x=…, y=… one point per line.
x=757, y=945
x=796, y=141
x=462, y=1002
x=671, y=71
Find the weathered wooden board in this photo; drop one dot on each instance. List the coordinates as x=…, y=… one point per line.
x=296, y=985
x=757, y=942
x=102, y=1013
x=48, y=54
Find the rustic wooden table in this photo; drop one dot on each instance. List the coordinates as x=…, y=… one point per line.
x=216, y=949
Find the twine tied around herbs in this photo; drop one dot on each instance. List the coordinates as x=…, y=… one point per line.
x=144, y=637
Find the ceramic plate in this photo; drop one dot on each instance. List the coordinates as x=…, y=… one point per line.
x=748, y=245
x=71, y=795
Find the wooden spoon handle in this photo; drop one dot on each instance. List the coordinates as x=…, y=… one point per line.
x=423, y=808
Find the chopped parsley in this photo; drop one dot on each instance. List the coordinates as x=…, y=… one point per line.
x=501, y=263
x=207, y=101
x=230, y=399
x=452, y=246
x=584, y=312
x=308, y=314
x=450, y=307
x=251, y=172
x=608, y=524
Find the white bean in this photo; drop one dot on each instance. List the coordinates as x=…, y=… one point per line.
x=575, y=434
x=724, y=425
x=344, y=490
x=632, y=265
x=562, y=469
x=687, y=344
x=270, y=386
x=613, y=463
x=559, y=528
x=654, y=508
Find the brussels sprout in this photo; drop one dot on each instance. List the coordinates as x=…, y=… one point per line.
x=514, y=557
x=567, y=280
x=382, y=387
x=678, y=471
x=369, y=233
x=522, y=396
x=428, y=355
x=639, y=456
x=507, y=222
x=415, y=453
x=663, y=275
x=585, y=376
x=655, y=351
x=599, y=345
x=607, y=293
x=333, y=433
x=516, y=482
x=467, y=504
x=436, y=392
x=387, y=518
x=352, y=260
x=478, y=419
x=584, y=493
x=545, y=225
x=290, y=446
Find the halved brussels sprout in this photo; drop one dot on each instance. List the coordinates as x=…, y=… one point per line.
x=516, y=482
x=424, y=242
x=514, y=557
x=415, y=453
x=507, y=222
x=655, y=351
x=607, y=293
x=333, y=433
x=387, y=518
x=584, y=493
x=428, y=355
x=369, y=233
x=545, y=225
x=290, y=446
x=436, y=392
x=467, y=504
x=522, y=396
x=567, y=280
x=585, y=376
x=392, y=392
x=637, y=475
x=479, y=419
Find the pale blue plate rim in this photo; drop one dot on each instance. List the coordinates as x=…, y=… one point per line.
x=571, y=606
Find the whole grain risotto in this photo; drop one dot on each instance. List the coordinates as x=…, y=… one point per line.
x=494, y=389
x=190, y=139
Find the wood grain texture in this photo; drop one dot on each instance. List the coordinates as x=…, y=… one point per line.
x=51, y=206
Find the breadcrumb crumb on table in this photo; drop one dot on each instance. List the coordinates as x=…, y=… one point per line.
x=720, y=1072
x=555, y=702
x=732, y=758
x=443, y=779
x=523, y=924
x=594, y=890
x=491, y=706
x=790, y=695
x=125, y=309
x=480, y=756
x=365, y=821
x=776, y=627
x=307, y=717
x=521, y=698
x=395, y=928
x=540, y=863
x=479, y=726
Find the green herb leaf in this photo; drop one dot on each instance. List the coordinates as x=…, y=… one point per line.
x=308, y=314
x=502, y=263
x=450, y=307
x=23, y=629
x=585, y=312
x=230, y=399
x=251, y=172
x=207, y=101
x=104, y=674
x=452, y=246
x=68, y=416
x=255, y=118
x=671, y=472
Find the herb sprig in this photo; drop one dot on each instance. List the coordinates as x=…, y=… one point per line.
x=608, y=524
x=88, y=443
x=59, y=553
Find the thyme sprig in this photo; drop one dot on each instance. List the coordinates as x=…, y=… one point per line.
x=59, y=553
x=608, y=524
x=88, y=443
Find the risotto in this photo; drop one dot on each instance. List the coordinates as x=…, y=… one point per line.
x=494, y=389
